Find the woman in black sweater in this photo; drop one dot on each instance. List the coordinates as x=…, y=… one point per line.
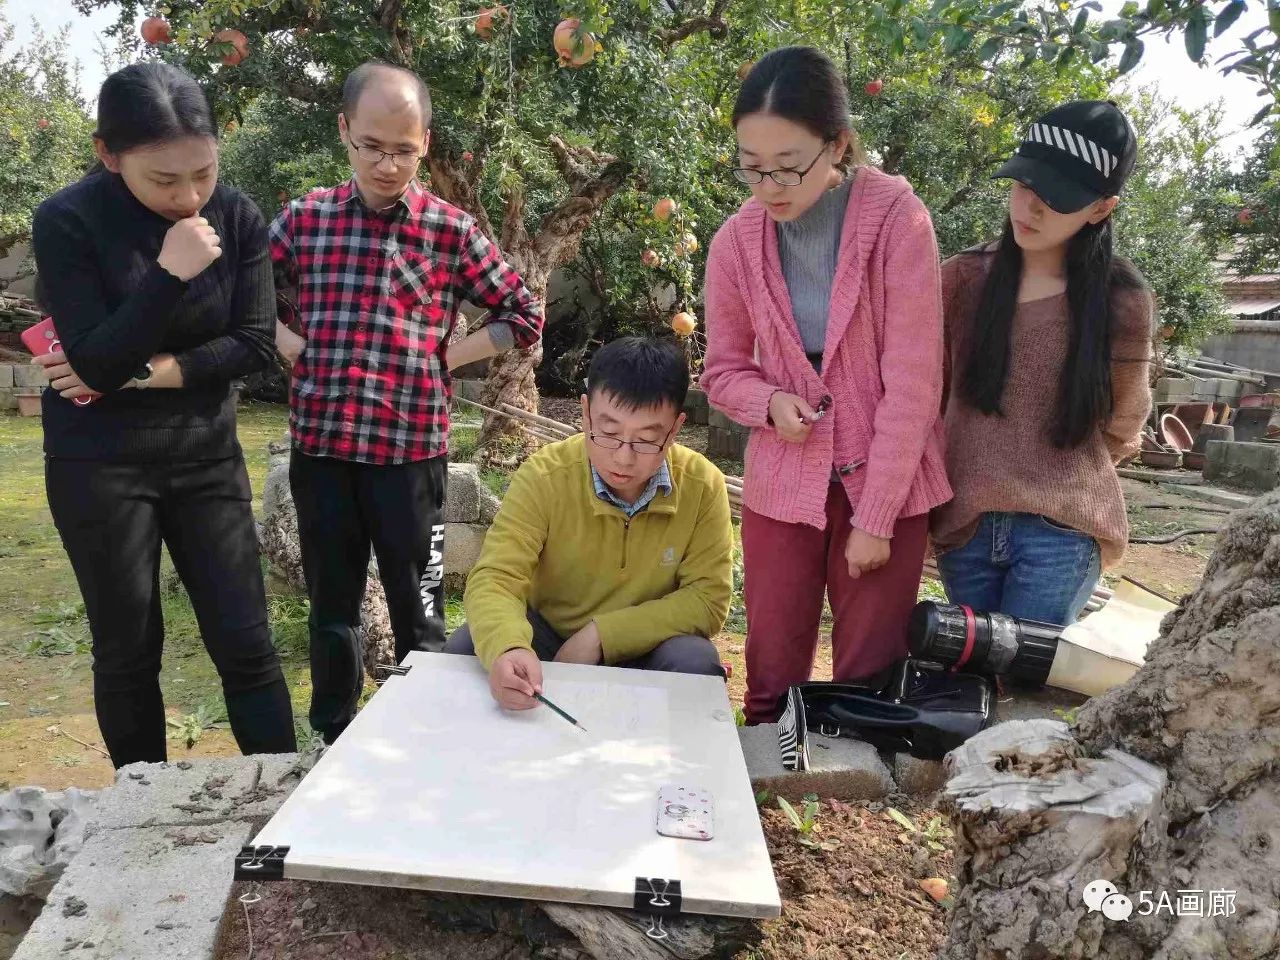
x=159, y=283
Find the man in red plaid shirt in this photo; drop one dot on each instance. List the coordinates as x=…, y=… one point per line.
x=380, y=267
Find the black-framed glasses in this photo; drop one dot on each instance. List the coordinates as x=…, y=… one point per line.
x=606, y=442
x=374, y=155
x=783, y=176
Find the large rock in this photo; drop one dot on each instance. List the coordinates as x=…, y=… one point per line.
x=39, y=834
x=470, y=507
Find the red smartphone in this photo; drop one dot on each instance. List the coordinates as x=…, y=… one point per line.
x=41, y=339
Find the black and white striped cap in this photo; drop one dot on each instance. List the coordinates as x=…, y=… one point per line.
x=1075, y=154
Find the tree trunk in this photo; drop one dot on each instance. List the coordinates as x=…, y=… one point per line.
x=1168, y=783
x=502, y=444
x=592, y=178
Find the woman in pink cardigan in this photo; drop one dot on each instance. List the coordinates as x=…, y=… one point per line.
x=824, y=335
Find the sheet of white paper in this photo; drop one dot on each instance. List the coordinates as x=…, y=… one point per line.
x=434, y=786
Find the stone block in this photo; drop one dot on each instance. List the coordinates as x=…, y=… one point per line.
x=843, y=769
x=462, y=495
x=1170, y=390
x=140, y=893
x=6, y=376
x=462, y=543
x=1248, y=466
x=28, y=376
x=8, y=401
x=176, y=794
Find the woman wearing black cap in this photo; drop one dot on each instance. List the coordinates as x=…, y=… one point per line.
x=159, y=283
x=1048, y=346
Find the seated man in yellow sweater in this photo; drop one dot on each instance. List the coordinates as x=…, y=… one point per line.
x=614, y=546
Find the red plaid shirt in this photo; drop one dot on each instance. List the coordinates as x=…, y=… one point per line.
x=377, y=296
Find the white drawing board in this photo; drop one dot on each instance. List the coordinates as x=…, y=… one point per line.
x=433, y=786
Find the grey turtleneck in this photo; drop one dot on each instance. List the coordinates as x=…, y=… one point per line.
x=809, y=248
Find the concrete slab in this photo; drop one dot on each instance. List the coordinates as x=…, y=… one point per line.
x=1214, y=495
x=176, y=794
x=1248, y=466
x=140, y=893
x=843, y=769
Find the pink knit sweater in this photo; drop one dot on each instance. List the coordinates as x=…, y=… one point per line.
x=882, y=362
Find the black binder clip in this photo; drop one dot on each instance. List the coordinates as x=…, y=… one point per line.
x=260, y=863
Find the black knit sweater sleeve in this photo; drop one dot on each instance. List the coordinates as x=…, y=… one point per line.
x=249, y=343
x=104, y=346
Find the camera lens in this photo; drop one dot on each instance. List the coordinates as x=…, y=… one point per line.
x=982, y=642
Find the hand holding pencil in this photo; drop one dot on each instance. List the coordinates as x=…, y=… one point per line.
x=515, y=679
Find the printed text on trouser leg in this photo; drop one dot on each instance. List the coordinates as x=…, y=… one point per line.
x=433, y=575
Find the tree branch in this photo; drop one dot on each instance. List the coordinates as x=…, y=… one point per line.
x=450, y=181
x=713, y=23
x=514, y=235
x=572, y=162
x=561, y=232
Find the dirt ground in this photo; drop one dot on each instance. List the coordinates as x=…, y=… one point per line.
x=860, y=900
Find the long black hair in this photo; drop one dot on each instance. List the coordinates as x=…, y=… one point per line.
x=1084, y=386
x=800, y=84
x=151, y=103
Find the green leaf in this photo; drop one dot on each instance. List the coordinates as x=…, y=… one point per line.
x=1261, y=115
x=790, y=811
x=1049, y=51
x=922, y=30
x=902, y=819
x=938, y=6
x=1132, y=54
x=1129, y=10
x=1082, y=18
x=1064, y=60
x=1196, y=34
x=991, y=49
x=1230, y=14
x=958, y=38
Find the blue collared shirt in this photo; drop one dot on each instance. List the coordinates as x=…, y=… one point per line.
x=659, y=481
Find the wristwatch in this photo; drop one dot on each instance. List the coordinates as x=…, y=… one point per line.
x=142, y=379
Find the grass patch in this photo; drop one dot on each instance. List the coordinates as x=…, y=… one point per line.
x=462, y=444
x=931, y=589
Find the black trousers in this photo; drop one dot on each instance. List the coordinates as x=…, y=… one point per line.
x=343, y=507
x=112, y=518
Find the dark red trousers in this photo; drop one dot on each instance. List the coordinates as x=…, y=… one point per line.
x=789, y=567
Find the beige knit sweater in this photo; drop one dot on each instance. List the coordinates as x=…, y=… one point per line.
x=1008, y=463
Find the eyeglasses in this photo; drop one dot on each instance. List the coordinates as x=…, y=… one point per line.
x=606, y=442
x=374, y=155
x=637, y=446
x=783, y=177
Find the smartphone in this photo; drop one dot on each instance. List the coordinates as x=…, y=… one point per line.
x=687, y=813
x=40, y=339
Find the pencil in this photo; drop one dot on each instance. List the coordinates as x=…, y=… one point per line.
x=541, y=699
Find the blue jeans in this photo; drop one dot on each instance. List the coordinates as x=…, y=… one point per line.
x=1025, y=566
